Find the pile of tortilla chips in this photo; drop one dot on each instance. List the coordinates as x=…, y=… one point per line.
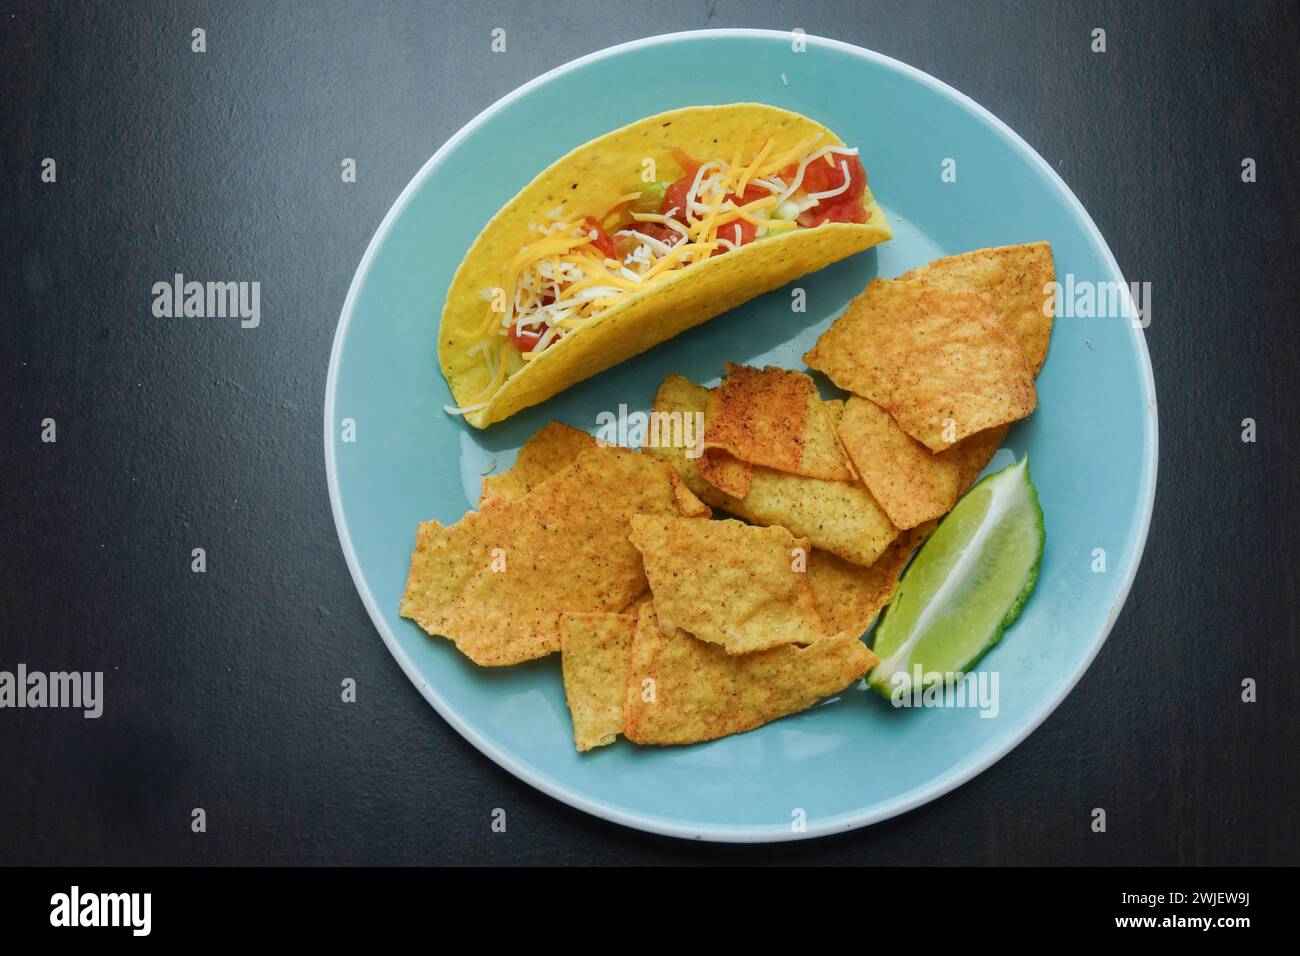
x=498, y=581
x=676, y=627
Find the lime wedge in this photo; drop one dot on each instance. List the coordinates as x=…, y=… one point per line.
x=965, y=586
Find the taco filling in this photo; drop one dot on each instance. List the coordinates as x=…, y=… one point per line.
x=577, y=267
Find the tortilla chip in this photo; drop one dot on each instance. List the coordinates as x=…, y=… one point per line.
x=727, y=582
x=976, y=451
x=595, y=652
x=681, y=690
x=940, y=362
x=1014, y=277
x=837, y=516
x=551, y=449
x=773, y=417
x=497, y=581
x=911, y=483
x=850, y=596
x=834, y=408
x=726, y=472
x=687, y=503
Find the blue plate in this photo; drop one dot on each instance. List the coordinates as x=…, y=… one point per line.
x=853, y=760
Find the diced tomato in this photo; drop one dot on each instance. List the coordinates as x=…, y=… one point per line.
x=821, y=178
x=751, y=194
x=657, y=230
x=601, y=238
x=738, y=233
x=850, y=211
x=818, y=177
x=525, y=340
x=675, y=197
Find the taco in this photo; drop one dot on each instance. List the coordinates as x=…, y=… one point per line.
x=640, y=234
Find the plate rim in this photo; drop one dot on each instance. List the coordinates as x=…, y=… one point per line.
x=774, y=833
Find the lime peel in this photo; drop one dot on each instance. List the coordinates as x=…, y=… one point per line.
x=967, y=584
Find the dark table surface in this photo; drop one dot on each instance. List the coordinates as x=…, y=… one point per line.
x=223, y=688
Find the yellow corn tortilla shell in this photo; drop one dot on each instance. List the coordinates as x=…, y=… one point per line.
x=727, y=582
x=590, y=180
x=595, y=652
x=837, y=516
x=564, y=546
x=773, y=417
x=850, y=596
x=681, y=690
x=1015, y=278
x=911, y=483
x=552, y=448
x=940, y=362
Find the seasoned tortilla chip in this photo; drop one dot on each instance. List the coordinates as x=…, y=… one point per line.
x=726, y=472
x=940, y=362
x=681, y=690
x=727, y=582
x=834, y=408
x=837, y=516
x=835, y=411
x=497, y=581
x=911, y=483
x=687, y=503
x=773, y=417
x=850, y=596
x=595, y=652
x=551, y=449
x=975, y=451
x=1014, y=277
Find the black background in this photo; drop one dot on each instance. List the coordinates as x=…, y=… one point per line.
x=223, y=688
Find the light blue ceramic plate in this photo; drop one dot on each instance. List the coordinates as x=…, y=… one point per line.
x=851, y=761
